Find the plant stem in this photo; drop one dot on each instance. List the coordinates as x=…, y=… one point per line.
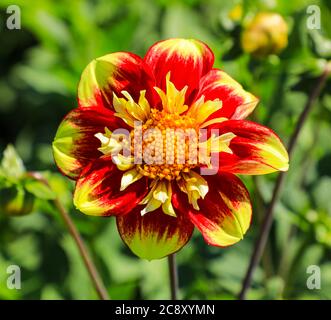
x=173, y=276
x=94, y=274
x=260, y=208
x=92, y=270
x=265, y=228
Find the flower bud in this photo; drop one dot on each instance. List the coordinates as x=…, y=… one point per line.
x=266, y=34
x=15, y=201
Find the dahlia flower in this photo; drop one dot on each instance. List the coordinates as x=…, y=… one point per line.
x=158, y=143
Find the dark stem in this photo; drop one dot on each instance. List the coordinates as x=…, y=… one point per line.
x=173, y=276
x=95, y=277
x=266, y=225
x=260, y=208
x=94, y=274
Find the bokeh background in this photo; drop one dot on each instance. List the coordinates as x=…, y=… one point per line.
x=40, y=66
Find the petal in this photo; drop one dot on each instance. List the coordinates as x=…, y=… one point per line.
x=129, y=177
x=114, y=73
x=97, y=191
x=200, y=110
x=216, y=143
x=194, y=185
x=123, y=163
x=236, y=102
x=112, y=143
x=154, y=235
x=167, y=206
x=75, y=145
x=173, y=100
x=225, y=213
x=187, y=61
x=130, y=111
x=160, y=194
x=256, y=149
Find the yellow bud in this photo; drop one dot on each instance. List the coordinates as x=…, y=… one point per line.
x=236, y=13
x=265, y=34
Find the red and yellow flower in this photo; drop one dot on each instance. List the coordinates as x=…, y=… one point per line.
x=157, y=203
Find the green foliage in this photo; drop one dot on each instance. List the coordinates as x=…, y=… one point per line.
x=40, y=190
x=40, y=69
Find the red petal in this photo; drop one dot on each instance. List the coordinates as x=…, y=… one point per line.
x=74, y=145
x=256, y=149
x=187, y=60
x=236, y=102
x=114, y=73
x=154, y=235
x=225, y=213
x=98, y=192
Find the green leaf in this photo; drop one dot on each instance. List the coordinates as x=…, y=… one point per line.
x=321, y=45
x=12, y=165
x=40, y=190
x=321, y=193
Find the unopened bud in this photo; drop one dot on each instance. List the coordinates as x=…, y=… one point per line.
x=265, y=34
x=15, y=201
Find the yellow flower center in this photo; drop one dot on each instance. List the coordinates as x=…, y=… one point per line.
x=165, y=145
x=169, y=145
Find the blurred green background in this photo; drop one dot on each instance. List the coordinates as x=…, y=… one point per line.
x=40, y=69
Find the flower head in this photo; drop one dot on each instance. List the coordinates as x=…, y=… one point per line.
x=157, y=142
